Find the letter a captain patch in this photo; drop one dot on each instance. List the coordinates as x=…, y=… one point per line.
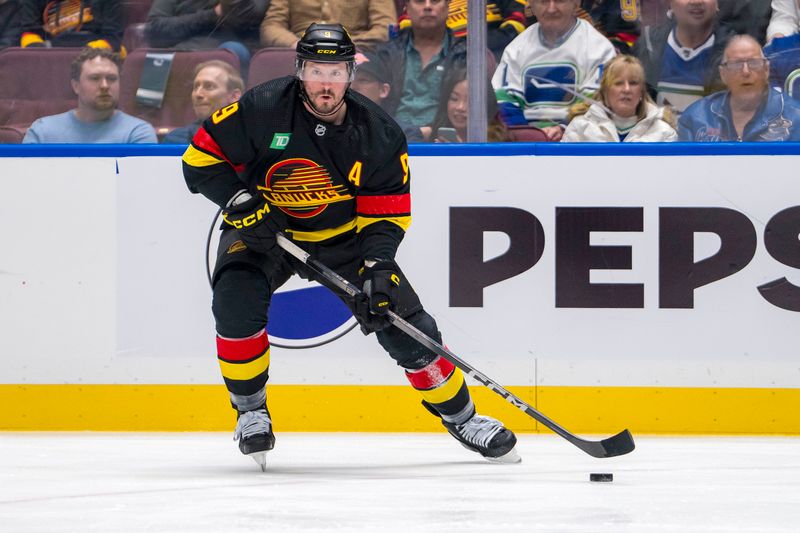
x=280, y=141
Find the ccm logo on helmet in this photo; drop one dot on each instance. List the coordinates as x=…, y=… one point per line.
x=326, y=51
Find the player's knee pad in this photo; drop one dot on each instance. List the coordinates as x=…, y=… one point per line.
x=406, y=351
x=241, y=301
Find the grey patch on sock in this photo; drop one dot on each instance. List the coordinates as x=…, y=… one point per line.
x=462, y=416
x=248, y=403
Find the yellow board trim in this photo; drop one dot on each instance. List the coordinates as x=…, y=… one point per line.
x=583, y=410
x=245, y=371
x=446, y=391
x=195, y=158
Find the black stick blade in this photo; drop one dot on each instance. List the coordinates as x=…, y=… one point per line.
x=619, y=444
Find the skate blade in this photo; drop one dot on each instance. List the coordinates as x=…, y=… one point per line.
x=261, y=459
x=509, y=458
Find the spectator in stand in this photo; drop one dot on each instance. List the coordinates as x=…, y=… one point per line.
x=207, y=24
x=216, y=85
x=746, y=16
x=417, y=60
x=618, y=20
x=505, y=19
x=367, y=21
x=784, y=64
x=10, y=29
x=623, y=112
x=750, y=110
x=372, y=80
x=681, y=56
x=95, y=79
x=71, y=23
x=785, y=20
x=543, y=68
x=783, y=48
x=450, y=123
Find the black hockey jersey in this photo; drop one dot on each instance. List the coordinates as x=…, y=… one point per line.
x=322, y=179
x=71, y=23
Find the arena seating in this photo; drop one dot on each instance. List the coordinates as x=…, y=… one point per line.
x=176, y=109
x=12, y=133
x=135, y=12
x=270, y=63
x=526, y=134
x=36, y=83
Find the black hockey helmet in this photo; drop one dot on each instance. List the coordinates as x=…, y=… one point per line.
x=326, y=43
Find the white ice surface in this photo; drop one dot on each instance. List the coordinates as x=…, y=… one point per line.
x=198, y=482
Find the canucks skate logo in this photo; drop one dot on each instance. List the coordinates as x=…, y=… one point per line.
x=301, y=188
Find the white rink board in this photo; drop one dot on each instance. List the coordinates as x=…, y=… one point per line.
x=102, y=277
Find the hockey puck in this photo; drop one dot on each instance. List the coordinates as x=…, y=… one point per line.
x=603, y=478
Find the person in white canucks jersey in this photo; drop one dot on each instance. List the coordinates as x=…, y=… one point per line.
x=557, y=53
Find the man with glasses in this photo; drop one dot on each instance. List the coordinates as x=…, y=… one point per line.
x=326, y=166
x=750, y=110
x=547, y=64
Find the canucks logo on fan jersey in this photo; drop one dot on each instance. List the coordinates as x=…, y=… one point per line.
x=543, y=83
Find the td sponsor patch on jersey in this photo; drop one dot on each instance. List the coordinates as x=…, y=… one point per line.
x=280, y=141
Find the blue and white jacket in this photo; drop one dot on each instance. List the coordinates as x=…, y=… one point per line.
x=710, y=120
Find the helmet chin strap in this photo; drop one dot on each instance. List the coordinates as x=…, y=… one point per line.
x=307, y=100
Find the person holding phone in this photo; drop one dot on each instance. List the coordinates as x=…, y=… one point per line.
x=450, y=122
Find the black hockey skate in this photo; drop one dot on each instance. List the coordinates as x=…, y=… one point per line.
x=254, y=433
x=484, y=435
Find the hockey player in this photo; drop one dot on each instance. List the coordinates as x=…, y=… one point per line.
x=306, y=156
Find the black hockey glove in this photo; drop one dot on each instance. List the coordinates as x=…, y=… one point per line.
x=380, y=281
x=256, y=224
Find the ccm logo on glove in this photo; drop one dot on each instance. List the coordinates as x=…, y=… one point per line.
x=250, y=215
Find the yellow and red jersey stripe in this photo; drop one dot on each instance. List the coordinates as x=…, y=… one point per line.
x=204, y=151
x=394, y=208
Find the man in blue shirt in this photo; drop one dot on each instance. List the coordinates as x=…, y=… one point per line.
x=750, y=110
x=95, y=79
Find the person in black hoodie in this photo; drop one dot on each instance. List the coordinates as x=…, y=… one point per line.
x=207, y=24
x=9, y=23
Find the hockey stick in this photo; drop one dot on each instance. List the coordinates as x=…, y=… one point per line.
x=619, y=444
